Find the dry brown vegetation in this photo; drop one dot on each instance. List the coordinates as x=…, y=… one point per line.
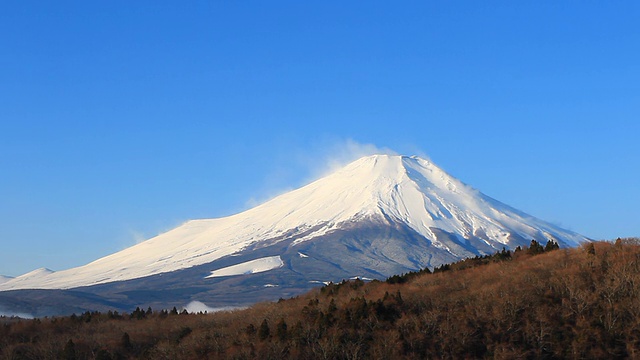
x=575, y=303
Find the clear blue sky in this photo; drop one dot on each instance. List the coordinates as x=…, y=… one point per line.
x=122, y=119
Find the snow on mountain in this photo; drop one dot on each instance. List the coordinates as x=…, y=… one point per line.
x=34, y=275
x=249, y=267
x=399, y=189
x=4, y=278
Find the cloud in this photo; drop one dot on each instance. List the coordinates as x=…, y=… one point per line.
x=342, y=152
x=298, y=167
x=15, y=314
x=196, y=307
x=132, y=236
x=137, y=236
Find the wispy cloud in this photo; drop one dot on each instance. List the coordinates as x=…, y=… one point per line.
x=138, y=236
x=132, y=236
x=342, y=152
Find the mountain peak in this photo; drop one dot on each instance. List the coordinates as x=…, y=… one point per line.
x=384, y=171
x=377, y=160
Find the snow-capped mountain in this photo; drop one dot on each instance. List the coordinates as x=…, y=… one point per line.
x=445, y=218
x=378, y=216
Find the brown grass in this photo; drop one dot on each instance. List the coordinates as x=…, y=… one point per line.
x=575, y=303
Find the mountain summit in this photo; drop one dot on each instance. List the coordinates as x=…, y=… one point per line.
x=378, y=216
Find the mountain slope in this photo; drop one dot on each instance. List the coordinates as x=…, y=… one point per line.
x=436, y=218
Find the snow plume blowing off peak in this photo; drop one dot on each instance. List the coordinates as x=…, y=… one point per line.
x=322, y=160
x=442, y=219
x=340, y=154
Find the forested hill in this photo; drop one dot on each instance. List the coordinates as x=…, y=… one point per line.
x=538, y=302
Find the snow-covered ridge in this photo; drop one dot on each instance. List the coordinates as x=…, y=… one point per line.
x=409, y=190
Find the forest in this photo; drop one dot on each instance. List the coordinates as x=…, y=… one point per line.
x=537, y=302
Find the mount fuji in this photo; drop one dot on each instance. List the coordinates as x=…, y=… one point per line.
x=378, y=216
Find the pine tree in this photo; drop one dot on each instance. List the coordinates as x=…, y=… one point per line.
x=535, y=248
x=264, y=331
x=103, y=355
x=332, y=307
x=551, y=245
x=69, y=351
x=281, y=330
x=125, y=341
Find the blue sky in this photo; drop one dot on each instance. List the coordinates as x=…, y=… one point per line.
x=120, y=120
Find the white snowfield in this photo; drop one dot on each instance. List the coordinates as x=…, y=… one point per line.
x=249, y=267
x=406, y=189
x=4, y=279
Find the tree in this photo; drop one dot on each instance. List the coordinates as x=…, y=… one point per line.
x=69, y=351
x=103, y=355
x=264, y=331
x=138, y=314
x=503, y=255
x=535, y=248
x=250, y=329
x=281, y=330
x=551, y=245
x=332, y=307
x=125, y=341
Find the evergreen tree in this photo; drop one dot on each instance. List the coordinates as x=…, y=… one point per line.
x=103, y=355
x=264, y=331
x=535, y=248
x=281, y=330
x=551, y=245
x=69, y=351
x=398, y=298
x=138, y=314
x=332, y=307
x=125, y=341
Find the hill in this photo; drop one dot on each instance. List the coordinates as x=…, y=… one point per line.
x=569, y=303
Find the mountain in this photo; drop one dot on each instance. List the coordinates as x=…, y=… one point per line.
x=378, y=216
